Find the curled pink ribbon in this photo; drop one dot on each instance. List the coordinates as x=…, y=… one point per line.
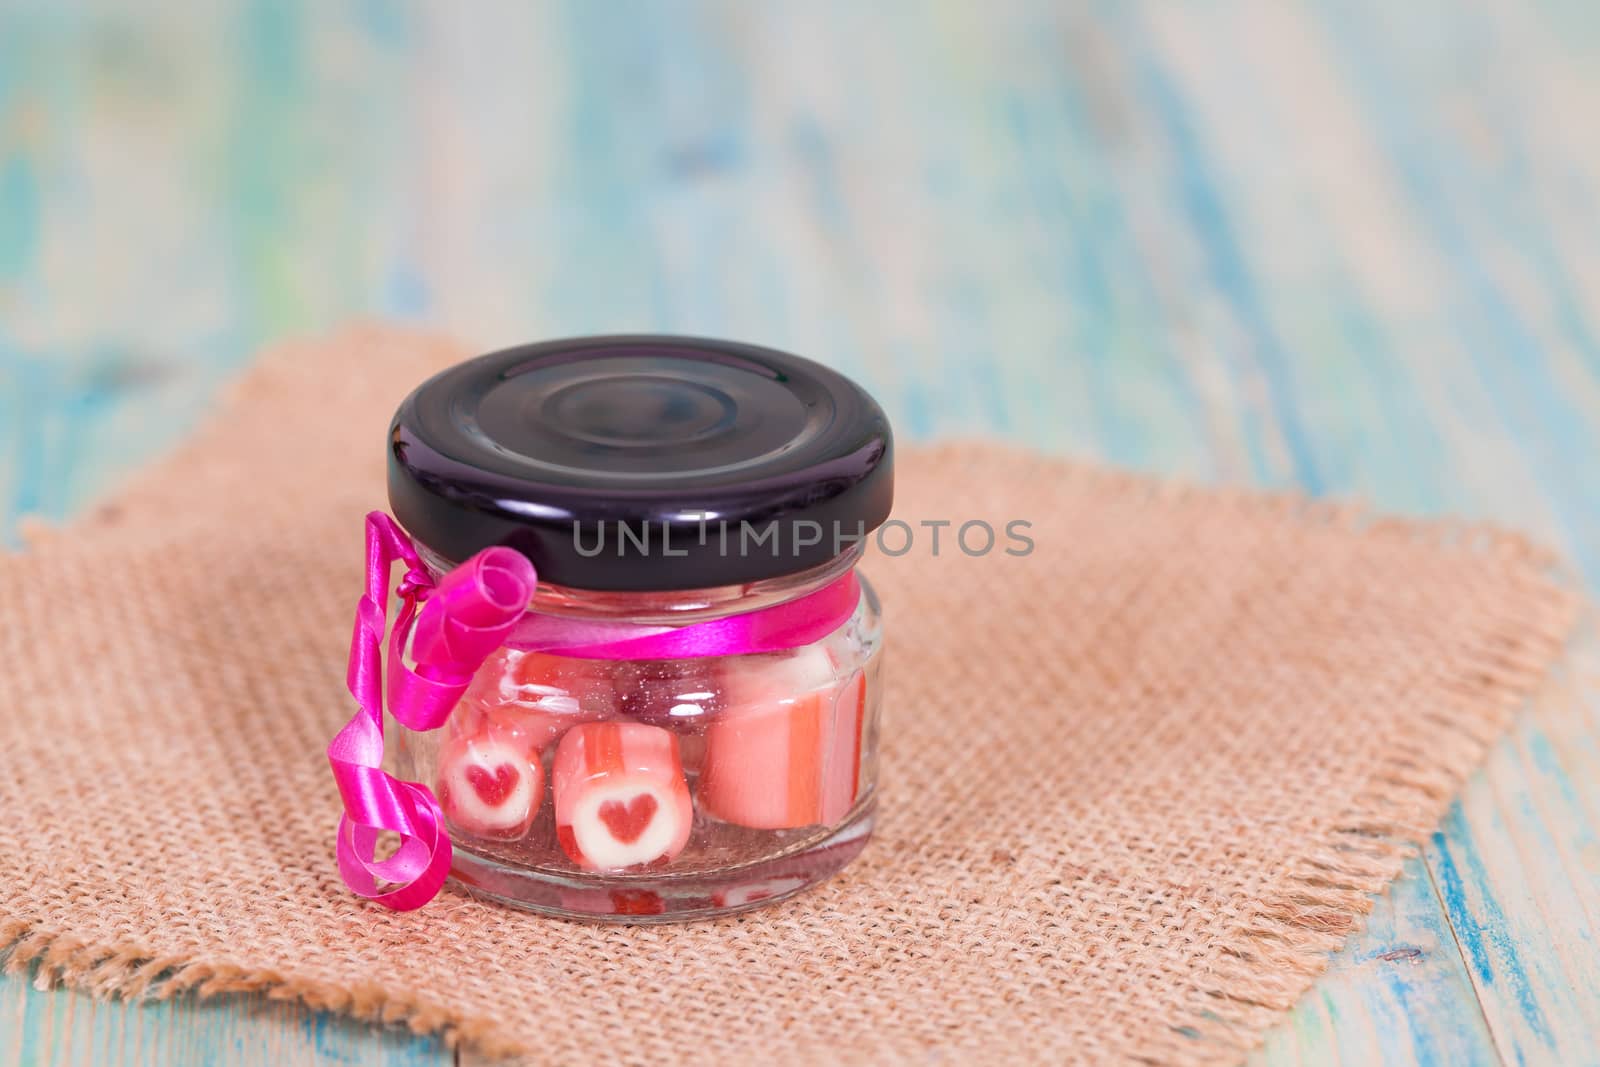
x=460, y=622
x=452, y=627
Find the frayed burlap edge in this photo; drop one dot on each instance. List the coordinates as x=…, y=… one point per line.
x=134, y=974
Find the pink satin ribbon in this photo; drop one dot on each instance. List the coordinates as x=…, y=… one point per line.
x=452, y=627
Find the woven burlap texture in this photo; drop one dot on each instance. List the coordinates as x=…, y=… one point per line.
x=1136, y=784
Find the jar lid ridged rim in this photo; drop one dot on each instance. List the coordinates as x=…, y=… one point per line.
x=643, y=462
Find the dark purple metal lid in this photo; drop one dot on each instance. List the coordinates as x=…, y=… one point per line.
x=642, y=462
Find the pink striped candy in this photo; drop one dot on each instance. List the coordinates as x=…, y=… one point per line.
x=620, y=795
x=786, y=751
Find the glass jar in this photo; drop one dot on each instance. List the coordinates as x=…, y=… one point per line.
x=659, y=486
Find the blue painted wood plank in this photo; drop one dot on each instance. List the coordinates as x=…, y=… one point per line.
x=83, y=401
x=1536, y=992
x=60, y=1028
x=1392, y=995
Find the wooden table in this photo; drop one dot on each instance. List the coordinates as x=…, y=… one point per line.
x=1349, y=247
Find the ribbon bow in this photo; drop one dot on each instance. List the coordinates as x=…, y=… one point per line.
x=452, y=627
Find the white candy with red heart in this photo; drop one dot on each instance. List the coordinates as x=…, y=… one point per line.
x=620, y=795
x=489, y=786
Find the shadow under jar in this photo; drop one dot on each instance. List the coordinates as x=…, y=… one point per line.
x=718, y=493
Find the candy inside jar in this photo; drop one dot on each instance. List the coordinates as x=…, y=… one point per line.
x=685, y=722
x=692, y=785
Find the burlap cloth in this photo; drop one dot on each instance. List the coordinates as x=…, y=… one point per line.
x=1137, y=784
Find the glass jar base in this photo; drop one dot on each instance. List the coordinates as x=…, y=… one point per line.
x=646, y=898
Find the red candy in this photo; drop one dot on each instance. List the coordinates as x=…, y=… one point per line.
x=636, y=902
x=620, y=795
